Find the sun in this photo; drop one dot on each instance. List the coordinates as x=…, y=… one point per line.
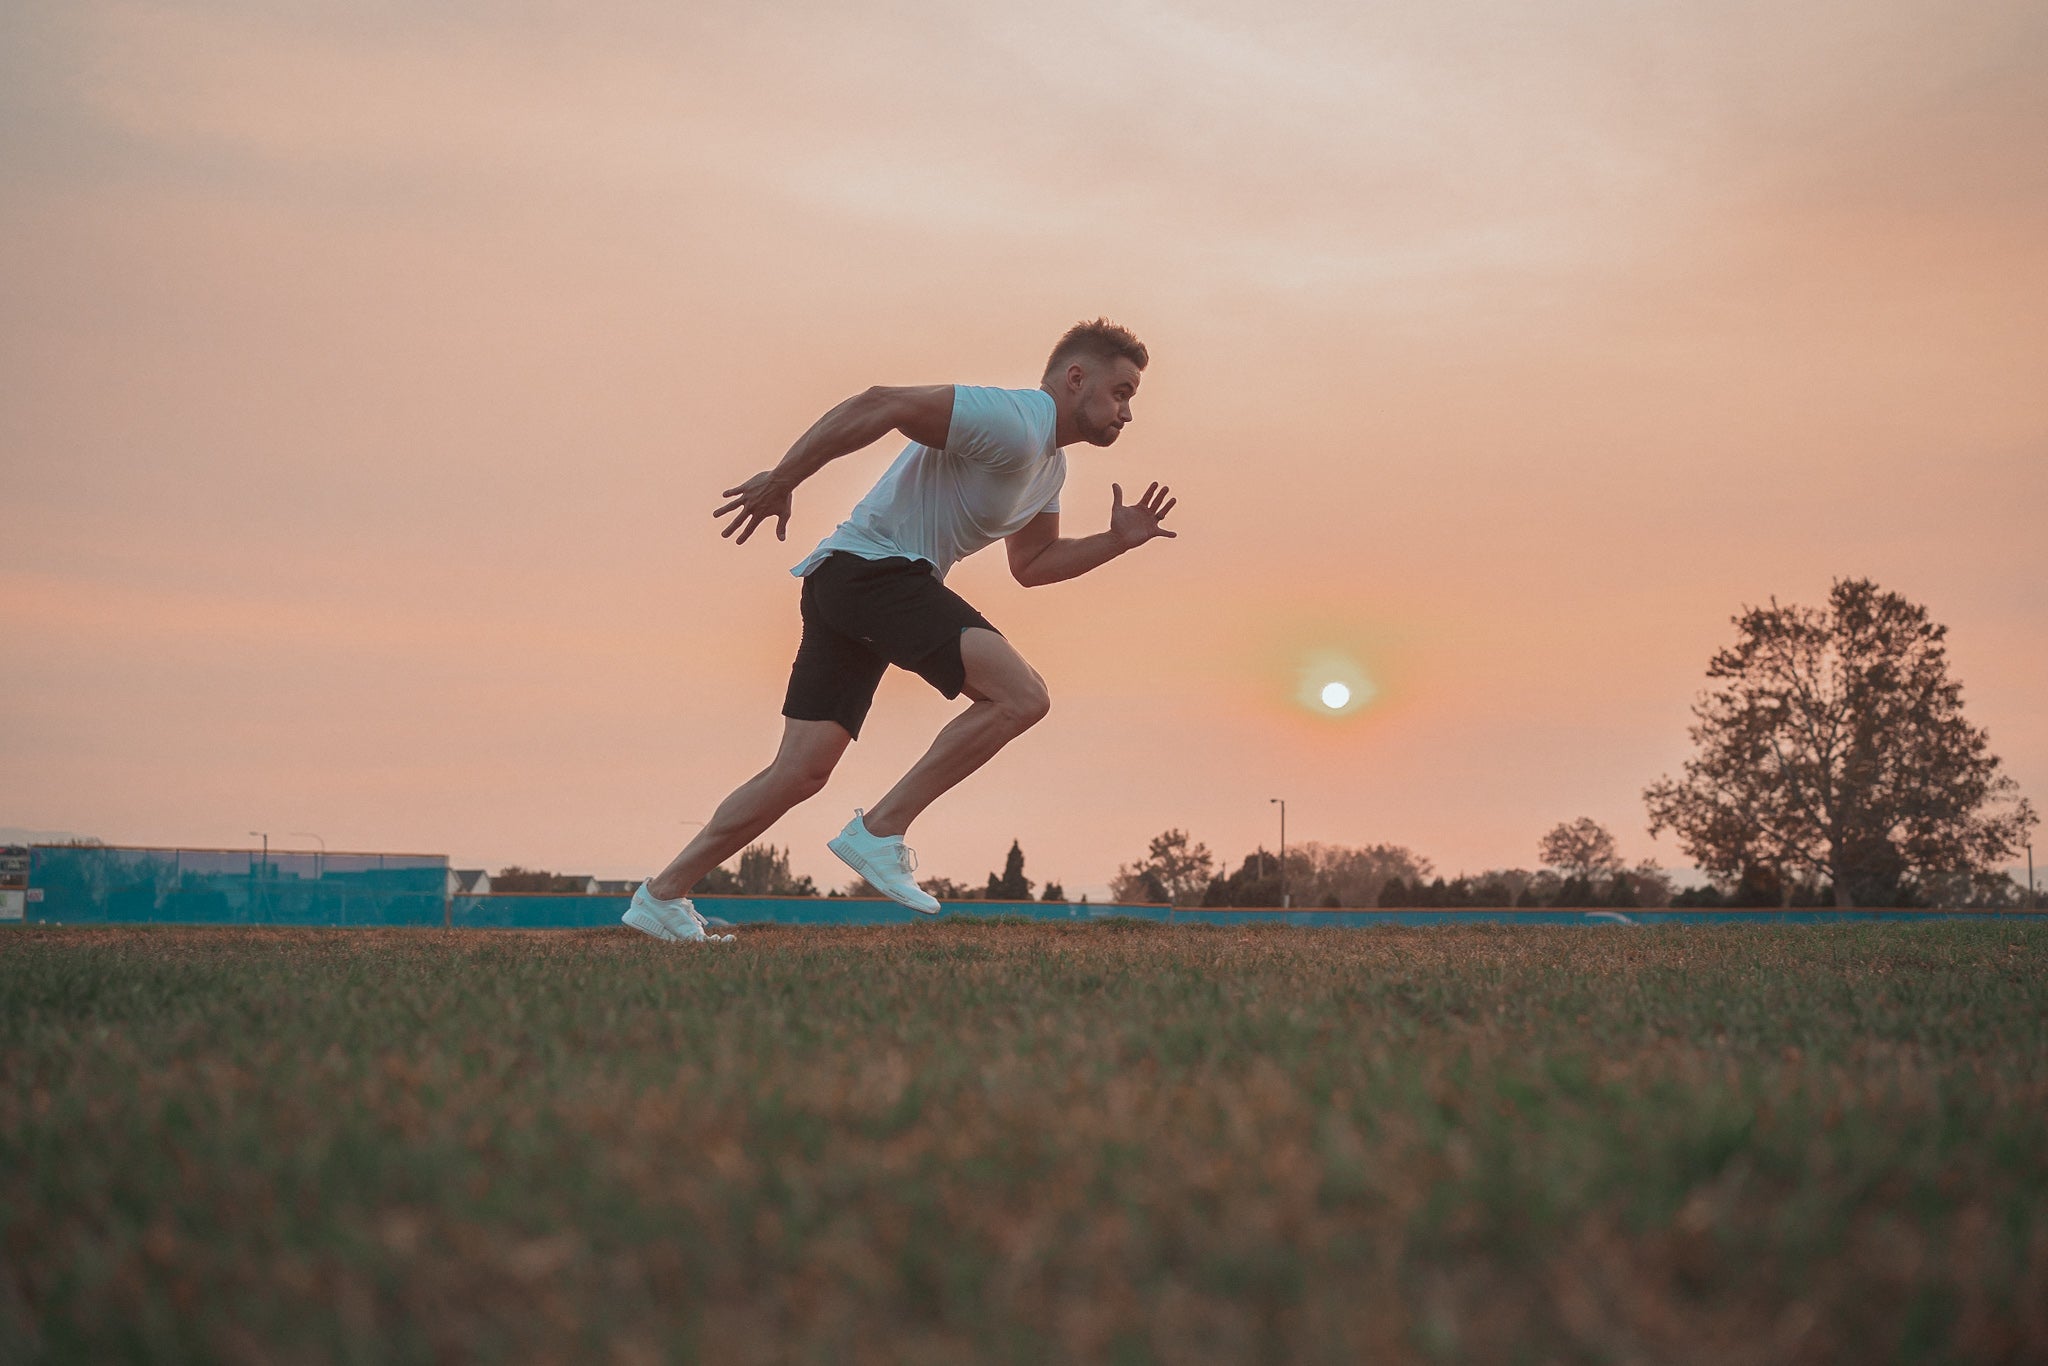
x=1333, y=684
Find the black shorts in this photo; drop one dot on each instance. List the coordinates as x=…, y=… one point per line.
x=861, y=616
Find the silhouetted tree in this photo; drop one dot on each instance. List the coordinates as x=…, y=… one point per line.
x=1317, y=875
x=1834, y=747
x=1575, y=891
x=1054, y=892
x=1580, y=849
x=1491, y=889
x=1173, y=871
x=1647, y=883
x=1012, y=885
x=724, y=882
x=763, y=871
x=1255, y=882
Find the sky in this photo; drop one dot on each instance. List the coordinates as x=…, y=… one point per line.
x=369, y=373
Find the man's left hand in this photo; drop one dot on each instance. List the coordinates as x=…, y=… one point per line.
x=1138, y=522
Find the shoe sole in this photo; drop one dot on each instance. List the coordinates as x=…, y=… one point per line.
x=651, y=924
x=647, y=924
x=839, y=845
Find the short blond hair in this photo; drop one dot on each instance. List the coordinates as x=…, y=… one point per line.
x=1100, y=340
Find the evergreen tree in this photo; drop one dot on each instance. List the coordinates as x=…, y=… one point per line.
x=1012, y=885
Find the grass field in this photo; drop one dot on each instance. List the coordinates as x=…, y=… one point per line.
x=1026, y=1143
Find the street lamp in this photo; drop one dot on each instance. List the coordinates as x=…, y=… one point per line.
x=317, y=863
x=1283, y=850
x=264, y=835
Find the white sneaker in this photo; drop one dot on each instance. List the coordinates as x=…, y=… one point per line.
x=885, y=861
x=676, y=921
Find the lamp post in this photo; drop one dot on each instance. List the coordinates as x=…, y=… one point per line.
x=1283, y=849
x=319, y=862
x=263, y=835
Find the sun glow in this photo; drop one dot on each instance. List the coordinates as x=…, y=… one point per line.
x=1333, y=684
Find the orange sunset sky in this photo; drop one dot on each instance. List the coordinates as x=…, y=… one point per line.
x=368, y=374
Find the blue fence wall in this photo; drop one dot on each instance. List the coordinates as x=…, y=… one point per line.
x=100, y=885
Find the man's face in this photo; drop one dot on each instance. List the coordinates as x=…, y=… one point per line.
x=1104, y=403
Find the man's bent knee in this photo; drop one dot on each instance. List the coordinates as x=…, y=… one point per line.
x=799, y=782
x=997, y=673
x=1032, y=704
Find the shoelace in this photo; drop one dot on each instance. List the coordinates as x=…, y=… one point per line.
x=907, y=859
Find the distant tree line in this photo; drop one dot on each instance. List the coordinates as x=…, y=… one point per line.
x=517, y=879
x=1583, y=871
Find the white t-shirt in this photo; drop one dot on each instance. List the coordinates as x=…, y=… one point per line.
x=1000, y=468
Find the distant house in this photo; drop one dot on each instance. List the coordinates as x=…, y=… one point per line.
x=617, y=886
x=468, y=882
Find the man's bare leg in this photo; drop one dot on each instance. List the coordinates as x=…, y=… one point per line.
x=1009, y=698
x=810, y=750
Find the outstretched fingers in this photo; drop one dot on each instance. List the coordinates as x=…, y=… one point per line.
x=1158, y=504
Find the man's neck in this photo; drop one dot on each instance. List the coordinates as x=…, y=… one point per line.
x=1063, y=434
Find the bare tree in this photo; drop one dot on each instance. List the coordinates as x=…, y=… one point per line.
x=1835, y=747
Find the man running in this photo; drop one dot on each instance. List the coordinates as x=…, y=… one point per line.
x=983, y=465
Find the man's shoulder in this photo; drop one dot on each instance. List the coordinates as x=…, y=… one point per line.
x=1010, y=416
x=1034, y=399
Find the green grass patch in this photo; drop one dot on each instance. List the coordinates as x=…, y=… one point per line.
x=1026, y=1142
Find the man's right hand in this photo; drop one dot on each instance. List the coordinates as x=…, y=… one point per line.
x=765, y=495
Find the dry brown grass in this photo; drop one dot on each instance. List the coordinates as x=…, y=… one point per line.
x=1030, y=1143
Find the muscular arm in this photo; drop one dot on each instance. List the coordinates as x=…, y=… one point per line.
x=1039, y=555
x=923, y=412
